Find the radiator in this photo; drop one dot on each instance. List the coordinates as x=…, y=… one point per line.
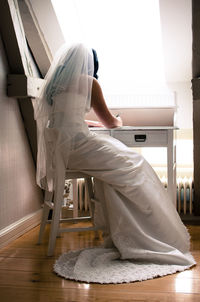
x=184, y=195
x=83, y=204
x=185, y=192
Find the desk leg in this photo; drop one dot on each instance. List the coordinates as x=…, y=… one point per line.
x=171, y=166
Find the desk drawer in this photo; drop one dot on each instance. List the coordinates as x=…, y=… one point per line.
x=149, y=138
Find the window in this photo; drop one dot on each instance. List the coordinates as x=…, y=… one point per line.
x=126, y=35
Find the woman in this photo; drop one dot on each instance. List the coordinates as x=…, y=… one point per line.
x=141, y=224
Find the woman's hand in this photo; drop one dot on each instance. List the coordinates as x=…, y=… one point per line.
x=117, y=121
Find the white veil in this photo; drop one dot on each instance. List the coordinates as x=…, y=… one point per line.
x=71, y=73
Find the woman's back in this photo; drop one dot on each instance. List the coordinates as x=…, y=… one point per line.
x=68, y=113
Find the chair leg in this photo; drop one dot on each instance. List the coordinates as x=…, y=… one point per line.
x=45, y=214
x=58, y=199
x=91, y=200
x=88, y=185
x=43, y=222
x=75, y=198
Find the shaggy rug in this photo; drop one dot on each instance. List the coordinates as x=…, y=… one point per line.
x=100, y=265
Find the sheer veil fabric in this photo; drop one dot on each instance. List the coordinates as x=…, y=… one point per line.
x=144, y=235
x=71, y=74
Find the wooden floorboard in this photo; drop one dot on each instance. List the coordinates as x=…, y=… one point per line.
x=26, y=274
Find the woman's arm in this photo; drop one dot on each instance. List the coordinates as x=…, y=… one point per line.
x=100, y=108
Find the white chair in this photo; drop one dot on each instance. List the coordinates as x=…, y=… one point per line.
x=54, y=200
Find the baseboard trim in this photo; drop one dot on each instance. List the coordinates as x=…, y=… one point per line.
x=19, y=228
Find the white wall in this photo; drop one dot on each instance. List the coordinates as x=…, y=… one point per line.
x=176, y=22
x=19, y=195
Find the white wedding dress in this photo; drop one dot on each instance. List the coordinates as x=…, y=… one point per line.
x=144, y=236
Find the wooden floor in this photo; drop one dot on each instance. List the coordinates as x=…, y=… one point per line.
x=26, y=275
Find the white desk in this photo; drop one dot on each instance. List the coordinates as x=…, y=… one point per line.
x=149, y=136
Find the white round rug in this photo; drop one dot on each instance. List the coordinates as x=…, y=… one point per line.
x=102, y=265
